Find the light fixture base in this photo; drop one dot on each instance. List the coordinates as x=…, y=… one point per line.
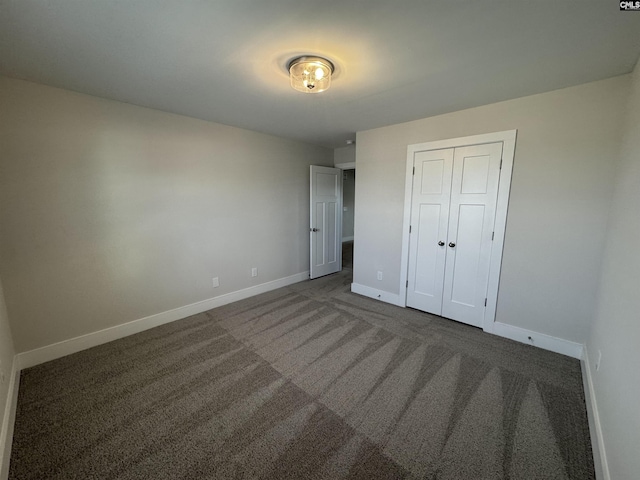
x=310, y=74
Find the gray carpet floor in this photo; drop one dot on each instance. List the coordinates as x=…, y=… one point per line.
x=305, y=382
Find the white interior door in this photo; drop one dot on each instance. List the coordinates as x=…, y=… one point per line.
x=326, y=221
x=429, y=224
x=474, y=191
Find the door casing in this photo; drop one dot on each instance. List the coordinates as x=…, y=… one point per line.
x=508, y=139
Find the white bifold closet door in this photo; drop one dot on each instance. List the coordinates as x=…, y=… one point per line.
x=453, y=210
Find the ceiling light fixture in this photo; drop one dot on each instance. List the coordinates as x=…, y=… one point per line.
x=310, y=74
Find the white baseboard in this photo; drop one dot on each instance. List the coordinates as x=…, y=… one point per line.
x=8, y=421
x=347, y=239
x=595, y=428
x=73, y=345
x=392, y=298
x=547, y=342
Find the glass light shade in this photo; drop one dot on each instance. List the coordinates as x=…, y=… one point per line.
x=310, y=74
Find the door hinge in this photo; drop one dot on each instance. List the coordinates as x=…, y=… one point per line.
x=493, y=234
x=409, y=228
x=500, y=164
x=407, y=285
x=485, y=302
x=414, y=171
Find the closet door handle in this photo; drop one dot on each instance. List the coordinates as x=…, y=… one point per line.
x=452, y=244
x=441, y=243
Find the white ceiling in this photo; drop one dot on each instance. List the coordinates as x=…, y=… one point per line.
x=224, y=60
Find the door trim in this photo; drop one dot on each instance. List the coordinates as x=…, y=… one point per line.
x=508, y=139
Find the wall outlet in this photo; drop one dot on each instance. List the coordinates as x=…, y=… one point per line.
x=379, y=275
x=598, y=360
x=216, y=282
x=254, y=272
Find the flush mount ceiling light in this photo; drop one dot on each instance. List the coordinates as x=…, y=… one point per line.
x=310, y=74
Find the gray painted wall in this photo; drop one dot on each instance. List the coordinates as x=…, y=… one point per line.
x=564, y=167
x=616, y=329
x=113, y=212
x=344, y=155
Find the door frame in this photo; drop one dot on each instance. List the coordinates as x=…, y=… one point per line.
x=343, y=167
x=508, y=139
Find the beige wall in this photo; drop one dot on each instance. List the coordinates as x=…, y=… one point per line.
x=560, y=194
x=112, y=212
x=344, y=155
x=6, y=366
x=616, y=329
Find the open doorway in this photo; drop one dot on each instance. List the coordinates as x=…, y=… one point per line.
x=348, y=203
x=331, y=229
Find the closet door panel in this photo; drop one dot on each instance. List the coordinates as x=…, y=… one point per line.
x=429, y=223
x=467, y=255
x=476, y=173
x=427, y=270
